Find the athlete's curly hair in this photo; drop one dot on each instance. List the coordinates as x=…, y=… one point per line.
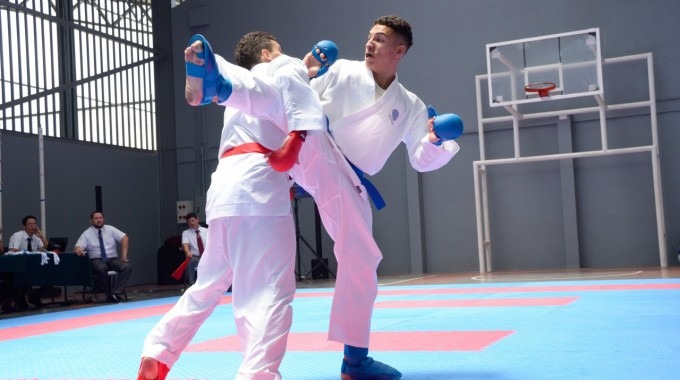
x=249, y=48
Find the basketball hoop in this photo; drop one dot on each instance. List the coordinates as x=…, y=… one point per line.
x=542, y=88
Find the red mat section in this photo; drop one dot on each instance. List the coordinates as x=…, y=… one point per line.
x=554, y=301
x=112, y=317
x=91, y=320
x=380, y=341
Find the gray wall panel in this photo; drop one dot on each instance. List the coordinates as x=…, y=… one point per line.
x=129, y=182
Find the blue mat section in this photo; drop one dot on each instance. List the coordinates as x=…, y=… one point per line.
x=603, y=334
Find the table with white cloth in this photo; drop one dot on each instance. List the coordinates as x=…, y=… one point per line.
x=46, y=268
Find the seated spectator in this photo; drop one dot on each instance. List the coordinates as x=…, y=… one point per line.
x=192, y=245
x=30, y=239
x=99, y=243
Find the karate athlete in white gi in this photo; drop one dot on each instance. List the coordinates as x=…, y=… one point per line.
x=378, y=120
x=247, y=200
x=370, y=113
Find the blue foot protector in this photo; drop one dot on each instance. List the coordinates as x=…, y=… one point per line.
x=357, y=365
x=330, y=50
x=214, y=84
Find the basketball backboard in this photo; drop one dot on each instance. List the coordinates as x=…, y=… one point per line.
x=571, y=61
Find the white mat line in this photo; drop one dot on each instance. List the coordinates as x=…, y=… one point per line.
x=403, y=281
x=576, y=277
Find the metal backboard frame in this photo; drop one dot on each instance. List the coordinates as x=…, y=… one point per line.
x=600, y=108
x=572, y=61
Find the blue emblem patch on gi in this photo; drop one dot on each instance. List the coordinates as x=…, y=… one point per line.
x=395, y=114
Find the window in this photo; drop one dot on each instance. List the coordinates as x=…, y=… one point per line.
x=79, y=70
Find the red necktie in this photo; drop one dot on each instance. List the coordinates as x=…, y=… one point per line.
x=199, y=241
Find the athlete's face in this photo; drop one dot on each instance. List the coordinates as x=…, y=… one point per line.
x=384, y=48
x=276, y=50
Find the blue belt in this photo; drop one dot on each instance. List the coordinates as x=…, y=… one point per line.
x=373, y=192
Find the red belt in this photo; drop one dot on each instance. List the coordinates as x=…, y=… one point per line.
x=246, y=148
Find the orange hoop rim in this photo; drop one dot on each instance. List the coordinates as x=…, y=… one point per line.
x=543, y=88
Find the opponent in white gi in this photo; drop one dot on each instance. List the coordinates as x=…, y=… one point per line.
x=370, y=114
x=247, y=200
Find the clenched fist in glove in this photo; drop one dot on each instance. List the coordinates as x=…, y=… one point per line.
x=283, y=159
x=448, y=126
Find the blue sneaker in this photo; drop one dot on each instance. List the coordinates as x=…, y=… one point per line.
x=368, y=369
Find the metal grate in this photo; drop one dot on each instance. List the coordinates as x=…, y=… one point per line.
x=80, y=70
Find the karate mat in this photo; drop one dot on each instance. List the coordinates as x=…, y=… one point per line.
x=612, y=329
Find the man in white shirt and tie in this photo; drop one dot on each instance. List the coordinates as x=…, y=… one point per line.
x=104, y=259
x=193, y=239
x=30, y=239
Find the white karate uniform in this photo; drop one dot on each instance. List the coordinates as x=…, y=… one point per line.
x=251, y=245
x=366, y=131
x=276, y=91
x=301, y=103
